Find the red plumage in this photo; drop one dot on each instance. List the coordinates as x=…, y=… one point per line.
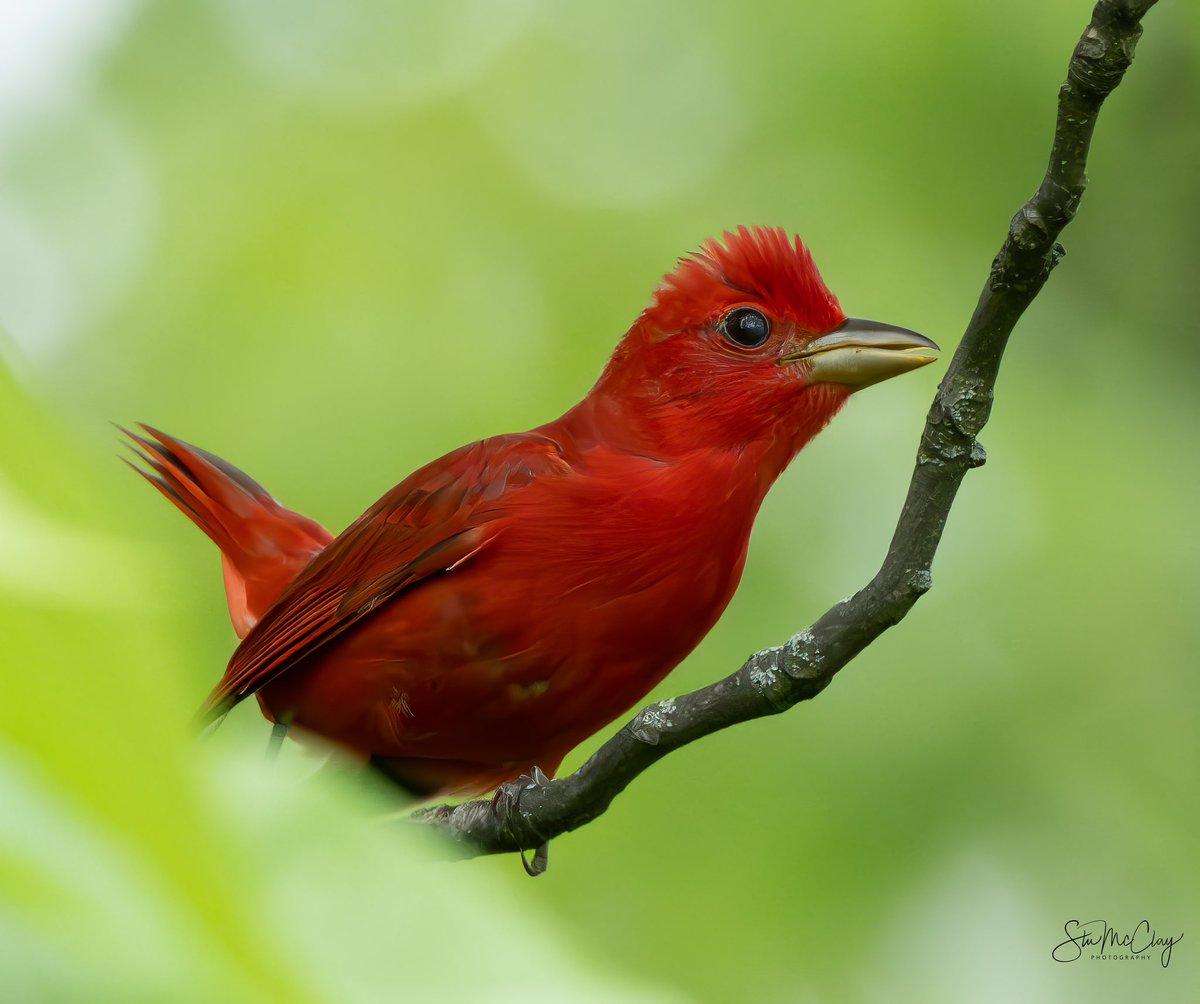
x=506, y=601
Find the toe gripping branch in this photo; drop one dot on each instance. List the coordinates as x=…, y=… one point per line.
x=506, y=806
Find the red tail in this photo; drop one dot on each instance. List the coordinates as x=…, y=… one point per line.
x=263, y=545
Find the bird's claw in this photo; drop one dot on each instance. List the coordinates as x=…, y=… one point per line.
x=503, y=803
x=532, y=781
x=540, y=862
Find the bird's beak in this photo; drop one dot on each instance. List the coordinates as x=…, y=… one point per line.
x=861, y=353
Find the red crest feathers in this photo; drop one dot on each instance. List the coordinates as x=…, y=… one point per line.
x=757, y=265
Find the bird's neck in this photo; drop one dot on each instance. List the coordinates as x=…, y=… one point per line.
x=683, y=432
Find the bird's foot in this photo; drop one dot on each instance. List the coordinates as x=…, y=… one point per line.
x=507, y=802
x=532, y=781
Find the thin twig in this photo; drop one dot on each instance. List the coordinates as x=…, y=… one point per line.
x=523, y=816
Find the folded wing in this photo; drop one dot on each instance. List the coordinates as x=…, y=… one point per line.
x=430, y=524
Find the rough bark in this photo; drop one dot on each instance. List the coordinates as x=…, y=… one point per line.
x=525, y=814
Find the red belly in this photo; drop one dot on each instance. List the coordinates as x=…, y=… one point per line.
x=476, y=677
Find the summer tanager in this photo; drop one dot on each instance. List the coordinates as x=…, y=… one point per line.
x=508, y=600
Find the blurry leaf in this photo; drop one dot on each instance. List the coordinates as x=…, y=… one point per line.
x=132, y=870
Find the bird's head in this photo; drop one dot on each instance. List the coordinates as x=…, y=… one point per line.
x=744, y=343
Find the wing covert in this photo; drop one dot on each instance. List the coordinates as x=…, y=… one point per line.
x=431, y=523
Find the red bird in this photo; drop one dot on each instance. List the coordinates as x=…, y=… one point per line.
x=508, y=600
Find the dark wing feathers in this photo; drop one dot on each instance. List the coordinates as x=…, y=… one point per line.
x=429, y=524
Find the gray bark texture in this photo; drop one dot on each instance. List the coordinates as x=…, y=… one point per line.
x=527, y=813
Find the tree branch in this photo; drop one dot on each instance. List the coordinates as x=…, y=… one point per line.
x=524, y=815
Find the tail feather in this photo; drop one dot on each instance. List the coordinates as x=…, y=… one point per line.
x=263, y=544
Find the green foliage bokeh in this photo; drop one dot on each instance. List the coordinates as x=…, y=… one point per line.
x=330, y=241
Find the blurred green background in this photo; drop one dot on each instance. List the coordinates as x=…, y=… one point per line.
x=332, y=240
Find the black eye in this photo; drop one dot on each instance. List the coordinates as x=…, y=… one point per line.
x=746, y=327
